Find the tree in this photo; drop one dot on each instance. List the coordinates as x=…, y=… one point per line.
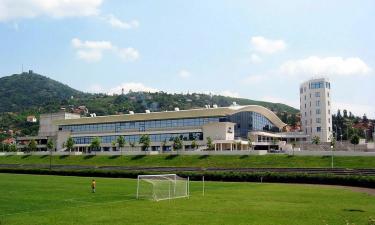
x=95, y=143
x=177, y=143
x=145, y=141
x=50, y=145
x=113, y=144
x=354, y=140
x=345, y=112
x=210, y=145
x=12, y=148
x=194, y=144
x=250, y=142
x=32, y=145
x=333, y=142
x=294, y=144
x=316, y=140
x=121, y=142
x=164, y=144
x=132, y=144
x=69, y=144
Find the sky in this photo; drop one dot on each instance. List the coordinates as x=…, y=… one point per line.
x=260, y=50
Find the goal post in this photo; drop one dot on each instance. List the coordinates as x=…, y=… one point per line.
x=162, y=187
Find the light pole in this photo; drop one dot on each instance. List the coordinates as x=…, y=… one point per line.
x=332, y=156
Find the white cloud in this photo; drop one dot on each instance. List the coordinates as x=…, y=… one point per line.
x=97, y=45
x=328, y=66
x=267, y=46
x=254, y=58
x=254, y=79
x=184, y=73
x=128, y=54
x=92, y=51
x=133, y=86
x=19, y=9
x=117, y=23
x=89, y=55
x=230, y=94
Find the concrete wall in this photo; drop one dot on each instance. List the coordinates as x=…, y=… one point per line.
x=219, y=131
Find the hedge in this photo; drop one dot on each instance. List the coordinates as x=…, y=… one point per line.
x=270, y=177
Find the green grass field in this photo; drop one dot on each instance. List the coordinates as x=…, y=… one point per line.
x=198, y=161
x=31, y=199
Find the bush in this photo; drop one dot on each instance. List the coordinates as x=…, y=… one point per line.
x=360, y=181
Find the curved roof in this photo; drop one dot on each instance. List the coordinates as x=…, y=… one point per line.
x=193, y=113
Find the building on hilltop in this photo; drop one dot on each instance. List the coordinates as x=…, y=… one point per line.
x=315, y=105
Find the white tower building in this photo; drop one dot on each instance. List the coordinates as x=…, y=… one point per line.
x=316, y=117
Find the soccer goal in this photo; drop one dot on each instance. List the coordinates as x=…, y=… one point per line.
x=162, y=187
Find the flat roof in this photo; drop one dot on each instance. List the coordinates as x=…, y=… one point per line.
x=192, y=113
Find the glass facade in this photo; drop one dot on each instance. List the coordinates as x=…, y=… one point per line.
x=320, y=84
x=250, y=121
x=244, y=123
x=135, y=138
x=139, y=125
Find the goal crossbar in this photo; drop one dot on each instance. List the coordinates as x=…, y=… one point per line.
x=162, y=187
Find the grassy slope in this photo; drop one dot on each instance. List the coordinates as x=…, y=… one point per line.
x=24, y=200
x=198, y=161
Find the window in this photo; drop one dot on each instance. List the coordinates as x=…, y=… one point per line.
x=317, y=111
x=305, y=114
x=329, y=129
x=310, y=104
x=329, y=112
x=317, y=94
x=316, y=85
x=301, y=90
x=305, y=97
x=318, y=120
x=305, y=106
x=328, y=94
x=329, y=120
x=318, y=129
x=317, y=103
x=329, y=103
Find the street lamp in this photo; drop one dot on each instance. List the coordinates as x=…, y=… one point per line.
x=332, y=156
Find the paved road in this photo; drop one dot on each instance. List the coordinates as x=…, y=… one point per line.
x=335, y=171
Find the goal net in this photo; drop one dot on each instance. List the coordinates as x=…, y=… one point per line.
x=162, y=187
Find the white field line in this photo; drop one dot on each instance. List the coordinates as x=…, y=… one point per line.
x=69, y=207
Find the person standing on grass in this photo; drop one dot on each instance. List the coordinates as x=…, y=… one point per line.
x=93, y=186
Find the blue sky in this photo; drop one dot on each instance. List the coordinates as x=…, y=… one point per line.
x=253, y=49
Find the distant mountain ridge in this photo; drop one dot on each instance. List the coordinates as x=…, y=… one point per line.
x=34, y=92
x=23, y=91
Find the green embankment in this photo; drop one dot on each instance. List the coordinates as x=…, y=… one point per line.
x=30, y=199
x=270, y=161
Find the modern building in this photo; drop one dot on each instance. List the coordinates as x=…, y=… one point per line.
x=228, y=127
x=315, y=105
x=47, y=130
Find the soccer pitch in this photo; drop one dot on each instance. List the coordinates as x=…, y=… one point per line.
x=34, y=199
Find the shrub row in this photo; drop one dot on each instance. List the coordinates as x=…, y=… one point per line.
x=270, y=177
